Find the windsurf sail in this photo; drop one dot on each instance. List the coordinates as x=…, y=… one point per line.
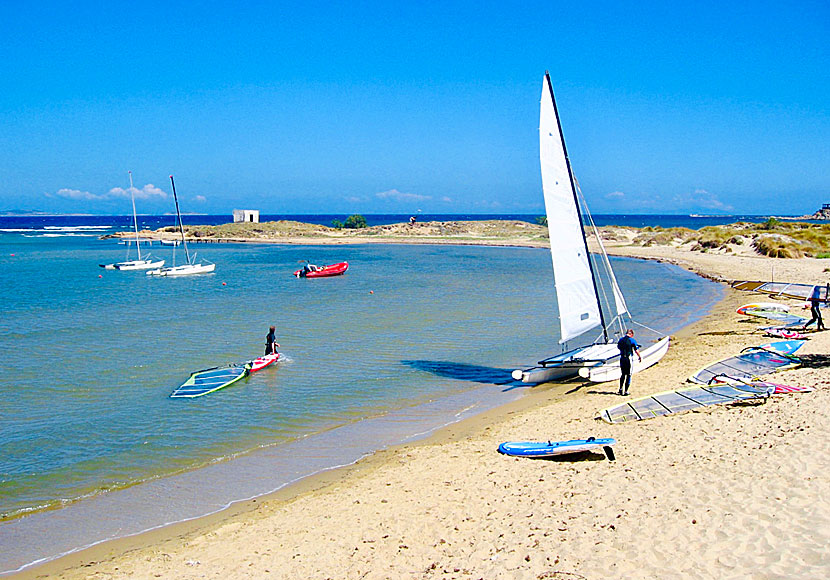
x=752, y=362
x=680, y=400
x=783, y=289
x=783, y=318
x=209, y=380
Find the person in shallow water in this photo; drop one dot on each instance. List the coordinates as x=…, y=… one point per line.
x=628, y=347
x=271, y=343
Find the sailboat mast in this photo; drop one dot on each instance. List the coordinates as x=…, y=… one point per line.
x=179, y=214
x=135, y=219
x=578, y=210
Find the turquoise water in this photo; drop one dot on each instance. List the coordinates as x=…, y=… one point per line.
x=90, y=357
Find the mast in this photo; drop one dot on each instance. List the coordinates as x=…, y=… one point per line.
x=179, y=214
x=135, y=219
x=578, y=210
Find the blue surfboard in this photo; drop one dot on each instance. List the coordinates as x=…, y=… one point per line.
x=554, y=448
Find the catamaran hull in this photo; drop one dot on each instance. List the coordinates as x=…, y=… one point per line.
x=139, y=265
x=537, y=375
x=568, y=364
x=186, y=270
x=611, y=371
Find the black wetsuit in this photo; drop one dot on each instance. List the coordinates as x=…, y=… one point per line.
x=627, y=346
x=269, y=343
x=815, y=312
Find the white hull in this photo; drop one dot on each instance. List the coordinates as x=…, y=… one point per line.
x=568, y=364
x=537, y=375
x=186, y=270
x=138, y=265
x=611, y=371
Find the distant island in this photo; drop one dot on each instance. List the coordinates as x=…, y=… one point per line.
x=774, y=237
x=36, y=213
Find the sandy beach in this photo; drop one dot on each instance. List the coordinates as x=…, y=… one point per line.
x=728, y=492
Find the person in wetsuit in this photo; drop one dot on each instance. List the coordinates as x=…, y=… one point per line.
x=815, y=309
x=271, y=343
x=628, y=347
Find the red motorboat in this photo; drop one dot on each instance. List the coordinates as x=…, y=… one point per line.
x=312, y=271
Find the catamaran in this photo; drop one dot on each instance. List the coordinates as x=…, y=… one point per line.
x=139, y=264
x=576, y=280
x=192, y=267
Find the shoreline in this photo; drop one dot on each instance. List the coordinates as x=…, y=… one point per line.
x=292, y=505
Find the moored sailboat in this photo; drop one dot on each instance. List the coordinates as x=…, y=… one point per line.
x=140, y=263
x=577, y=282
x=191, y=267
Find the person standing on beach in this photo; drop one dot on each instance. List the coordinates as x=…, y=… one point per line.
x=815, y=310
x=271, y=343
x=628, y=347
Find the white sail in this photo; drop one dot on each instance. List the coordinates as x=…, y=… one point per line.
x=575, y=294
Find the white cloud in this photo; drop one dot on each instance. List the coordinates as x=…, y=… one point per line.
x=705, y=200
x=396, y=195
x=446, y=199
x=200, y=198
x=76, y=194
x=149, y=191
x=615, y=195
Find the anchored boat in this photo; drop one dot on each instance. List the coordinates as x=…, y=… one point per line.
x=140, y=263
x=191, y=267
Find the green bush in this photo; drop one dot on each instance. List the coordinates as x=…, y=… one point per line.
x=355, y=222
x=337, y=224
x=542, y=220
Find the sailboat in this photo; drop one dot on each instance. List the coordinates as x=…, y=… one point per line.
x=141, y=263
x=191, y=267
x=577, y=282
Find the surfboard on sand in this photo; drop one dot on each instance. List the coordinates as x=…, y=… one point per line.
x=553, y=448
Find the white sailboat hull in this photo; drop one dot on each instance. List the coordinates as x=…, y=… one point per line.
x=185, y=270
x=568, y=364
x=138, y=265
x=611, y=371
x=597, y=363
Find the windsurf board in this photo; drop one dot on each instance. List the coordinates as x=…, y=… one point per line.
x=554, y=448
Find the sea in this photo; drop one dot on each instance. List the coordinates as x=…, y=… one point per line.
x=412, y=338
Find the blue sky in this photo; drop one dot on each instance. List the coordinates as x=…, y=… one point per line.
x=379, y=107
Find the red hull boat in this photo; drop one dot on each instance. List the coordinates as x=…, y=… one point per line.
x=323, y=271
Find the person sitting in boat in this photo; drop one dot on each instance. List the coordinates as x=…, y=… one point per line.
x=309, y=268
x=628, y=347
x=271, y=343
